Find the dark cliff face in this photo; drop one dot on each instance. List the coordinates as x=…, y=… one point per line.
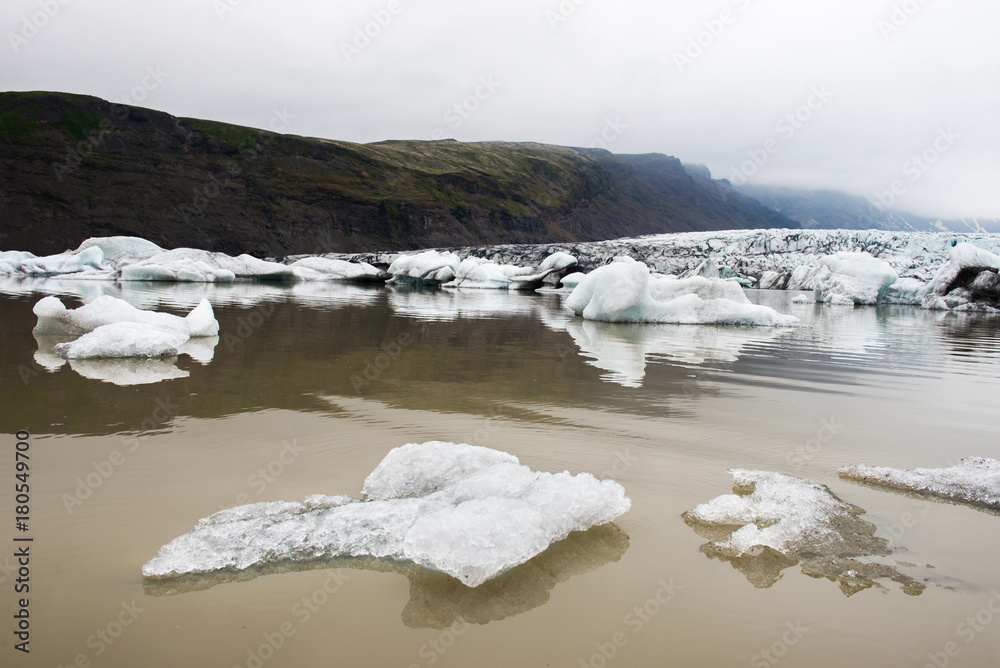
x=73, y=167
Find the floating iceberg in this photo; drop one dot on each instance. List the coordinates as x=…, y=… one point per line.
x=54, y=319
x=112, y=328
x=326, y=269
x=858, y=278
x=427, y=268
x=476, y=272
x=199, y=266
x=467, y=511
x=775, y=521
x=974, y=480
x=624, y=291
x=125, y=339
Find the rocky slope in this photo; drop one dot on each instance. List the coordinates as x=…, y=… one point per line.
x=73, y=167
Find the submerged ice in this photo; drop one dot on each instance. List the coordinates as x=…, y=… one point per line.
x=773, y=521
x=974, y=480
x=467, y=511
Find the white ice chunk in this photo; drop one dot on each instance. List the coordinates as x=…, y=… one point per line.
x=55, y=319
x=125, y=339
x=772, y=510
x=856, y=277
x=557, y=260
x=572, y=280
x=91, y=259
x=974, y=480
x=475, y=272
x=199, y=266
x=624, y=292
x=427, y=268
x=116, y=249
x=326, y=269
x=464, y=510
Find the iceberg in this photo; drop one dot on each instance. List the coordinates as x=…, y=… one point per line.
x=327, y=269
x=464, y=510
x=54, y=319
x=427, y=268
x=974, y=481
x=775, y=521
x=624, y=291
x=858, y=278
x=198, y=266
x=476, y=272
x=125, y=339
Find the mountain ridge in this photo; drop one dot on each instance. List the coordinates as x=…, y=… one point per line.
x=74, y=166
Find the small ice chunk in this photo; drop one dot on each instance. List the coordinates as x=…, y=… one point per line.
x=804, y=299
x=974, y=480
x=464, y=510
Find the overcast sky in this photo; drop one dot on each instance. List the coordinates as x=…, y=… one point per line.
x=869, y=84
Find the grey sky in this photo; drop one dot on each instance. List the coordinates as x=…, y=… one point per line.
x=886, y=79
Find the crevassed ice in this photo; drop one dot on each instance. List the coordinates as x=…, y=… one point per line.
x=974, y=480
x=468, y=511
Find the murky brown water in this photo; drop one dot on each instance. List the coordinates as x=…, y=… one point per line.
x=664, y=410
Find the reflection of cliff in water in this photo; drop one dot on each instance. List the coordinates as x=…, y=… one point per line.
x=438, y=600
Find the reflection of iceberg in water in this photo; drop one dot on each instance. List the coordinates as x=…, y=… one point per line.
x=438, y=600
x=126, y=371
x=623, y=350
x=447, y=305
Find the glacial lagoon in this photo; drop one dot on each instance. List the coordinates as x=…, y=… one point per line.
x=310, y=385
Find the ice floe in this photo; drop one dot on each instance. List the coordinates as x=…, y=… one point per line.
x=974, y=480
x=55, y=319
x=427, y=268
x=970, y=281
x=625, y=292
x=327, y=269
x=467, y=511
x=773, y=521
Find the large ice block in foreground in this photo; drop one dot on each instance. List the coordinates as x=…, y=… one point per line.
x=857, y=277
x=468, y=511
x=624, y=291
x=974, y=480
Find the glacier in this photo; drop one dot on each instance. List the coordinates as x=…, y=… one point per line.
x=468, y=511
